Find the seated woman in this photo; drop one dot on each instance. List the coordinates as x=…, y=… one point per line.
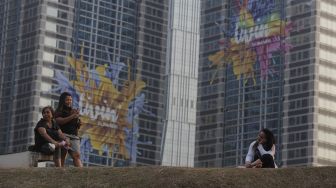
x=261, y=152
x=49, y=138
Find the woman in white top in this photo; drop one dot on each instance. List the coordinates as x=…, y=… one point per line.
x=261, y=152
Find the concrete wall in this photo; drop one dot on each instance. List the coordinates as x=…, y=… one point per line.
x=16, y=160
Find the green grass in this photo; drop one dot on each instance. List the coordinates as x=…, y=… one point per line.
x=162, y=177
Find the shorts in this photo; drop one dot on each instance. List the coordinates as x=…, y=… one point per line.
x=75, y=143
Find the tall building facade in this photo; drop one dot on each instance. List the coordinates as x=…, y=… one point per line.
x=111, y=55
x=23, y=70
x=7, y=67
x=309, y=118
x=266, y=65
x=124, y=50
x=181, y=78
x=301, y=91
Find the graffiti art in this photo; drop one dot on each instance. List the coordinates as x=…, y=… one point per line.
x=256, y=31
x=108, y=107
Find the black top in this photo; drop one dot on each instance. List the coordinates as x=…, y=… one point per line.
x=72, y=126
x=52, y=132
x=257, y=154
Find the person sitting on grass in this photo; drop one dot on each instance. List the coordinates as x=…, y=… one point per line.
x=261, y=152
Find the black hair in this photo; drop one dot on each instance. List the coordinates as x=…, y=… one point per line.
x=270, y=140
x=49, y=108
x=61, y=102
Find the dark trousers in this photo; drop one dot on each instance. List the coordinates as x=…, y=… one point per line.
x=267, y=161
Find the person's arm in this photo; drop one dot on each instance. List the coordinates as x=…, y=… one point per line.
x=64, y=120
x=249, y=156
x=273, y=151
x=61, y=135
x=256, y=164
x=43, y=132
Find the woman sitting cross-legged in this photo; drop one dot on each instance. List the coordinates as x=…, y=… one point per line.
x=261, y=152
x=49, y=138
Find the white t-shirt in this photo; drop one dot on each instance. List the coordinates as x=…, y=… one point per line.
x=250, y=153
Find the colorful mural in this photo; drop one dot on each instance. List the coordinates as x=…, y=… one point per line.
x=108, y=107
x=256, y=32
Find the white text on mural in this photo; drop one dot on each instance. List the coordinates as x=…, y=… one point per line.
x=106, y=113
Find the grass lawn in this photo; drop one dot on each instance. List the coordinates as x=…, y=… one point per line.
x=161, y=177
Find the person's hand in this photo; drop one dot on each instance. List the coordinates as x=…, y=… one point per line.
x=67, y=146
x=59, y=144
x=67, y=143
x=248, y=165
x=56, y=144
x=75, y=114
x=63, y=143
x=256, y=164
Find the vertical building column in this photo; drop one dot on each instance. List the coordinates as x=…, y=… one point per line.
x=182, y=70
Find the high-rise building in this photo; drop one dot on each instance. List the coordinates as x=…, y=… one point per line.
x=309, y=114
x=124, y=47
x=111, y=55
x=10, y=17
x=27, y=48
x=266, y=65
x=181, y=77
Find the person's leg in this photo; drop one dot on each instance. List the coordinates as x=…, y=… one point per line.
x=75, y=152
x=57, y=157
x=267, y=161
x=63, y=156
x=76, y=159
